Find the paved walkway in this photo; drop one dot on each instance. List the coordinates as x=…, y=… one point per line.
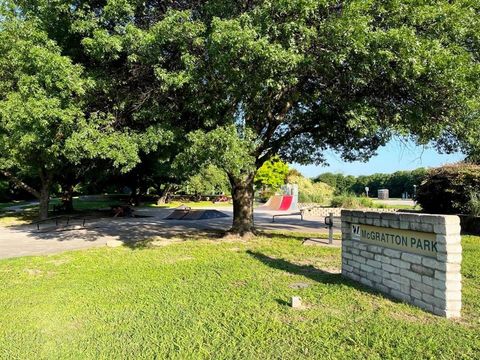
x=21, y=207
x=26, y=240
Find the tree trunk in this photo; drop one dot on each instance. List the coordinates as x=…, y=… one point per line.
x=242, y=196
x=67, y=198
x=134, y=197
x=20, y=184
x=43, y=195
x=164, y=193
x=44, y=201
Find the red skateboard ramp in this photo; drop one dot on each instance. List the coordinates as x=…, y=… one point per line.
x=286, y=203
x=280, y=203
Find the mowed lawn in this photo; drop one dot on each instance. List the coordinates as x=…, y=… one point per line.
x=206, y=298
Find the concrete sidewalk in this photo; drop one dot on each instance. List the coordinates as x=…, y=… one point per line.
x=26, y=240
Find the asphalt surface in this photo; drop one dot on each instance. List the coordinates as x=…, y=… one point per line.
x=26, y=240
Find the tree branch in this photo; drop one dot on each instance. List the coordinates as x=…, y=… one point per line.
x=20, y=184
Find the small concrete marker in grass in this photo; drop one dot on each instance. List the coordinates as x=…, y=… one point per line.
x=296, y=302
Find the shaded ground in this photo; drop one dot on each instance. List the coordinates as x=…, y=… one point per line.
x=22, y=240
x=20, y=207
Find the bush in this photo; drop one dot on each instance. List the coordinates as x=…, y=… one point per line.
x=310, y=192
x=448, y=189
x=474, y=204
x=352, y=202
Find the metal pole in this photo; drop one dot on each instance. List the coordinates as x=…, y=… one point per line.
x=330, y=229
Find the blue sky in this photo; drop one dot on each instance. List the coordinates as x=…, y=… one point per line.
x=397, y=155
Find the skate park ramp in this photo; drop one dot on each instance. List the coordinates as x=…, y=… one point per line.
x=185, y=214
x=280, y=203
x=177, y=214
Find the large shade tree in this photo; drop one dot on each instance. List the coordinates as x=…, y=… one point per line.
x=66, y=101
x=253, y=79
x=39, y=110
x=299, y=77
x=46, y=130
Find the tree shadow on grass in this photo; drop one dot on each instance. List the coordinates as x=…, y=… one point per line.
x=313, y=273
x=308, y=271
x=176, y=237
x=297, y=235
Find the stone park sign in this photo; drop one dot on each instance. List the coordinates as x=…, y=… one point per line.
x=406, y=240
x=412, y=257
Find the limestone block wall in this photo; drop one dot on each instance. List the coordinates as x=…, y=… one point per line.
x=412, y=257
x=318, y=211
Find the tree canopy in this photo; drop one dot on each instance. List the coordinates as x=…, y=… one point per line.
x=39, y=108
x=235, y=83
x=272, y=174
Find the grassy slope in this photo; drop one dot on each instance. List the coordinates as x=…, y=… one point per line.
x=224, y=300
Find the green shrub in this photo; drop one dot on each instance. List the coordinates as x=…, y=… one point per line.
x=448, y=189
x=352, y=202
x=474, y=204
x=310, y=192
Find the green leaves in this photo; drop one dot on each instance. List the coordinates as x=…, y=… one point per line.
x=39, y=107
x=272, y=174
x=208, y=181
x=103, y=46
x=172, y=47
x=298, y=76
x=225, y=147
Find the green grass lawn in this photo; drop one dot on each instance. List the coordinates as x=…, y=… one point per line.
x=11, y=203
x=81, y=204
x=30, y=213
x=216, y=299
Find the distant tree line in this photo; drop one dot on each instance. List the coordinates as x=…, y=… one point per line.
x=398, y=183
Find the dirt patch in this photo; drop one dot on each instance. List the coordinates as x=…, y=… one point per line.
x=299, y=285
x=179, y=259
x=38, y=272
x=331, y=270
x=58, y=262
x=34, y=272
x=239, y=283
x=158, y=242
